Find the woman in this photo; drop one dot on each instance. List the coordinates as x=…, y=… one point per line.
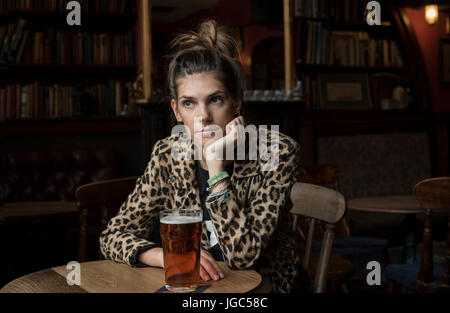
x=246, y=209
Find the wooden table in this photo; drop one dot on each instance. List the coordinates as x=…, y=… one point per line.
x=111, y=277
x=18, y=211
x=405, y=204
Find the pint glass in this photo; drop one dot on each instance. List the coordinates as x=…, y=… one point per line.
x=181, y=233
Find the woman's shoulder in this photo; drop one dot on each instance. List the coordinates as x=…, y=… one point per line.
x=276, y=150
x=285, y=143
x=288, y=142
x=164, y=146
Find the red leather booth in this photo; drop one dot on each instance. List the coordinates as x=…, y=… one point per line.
x=54, y=175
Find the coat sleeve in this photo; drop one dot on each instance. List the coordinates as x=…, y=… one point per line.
x=127, y=234
x=244, y=232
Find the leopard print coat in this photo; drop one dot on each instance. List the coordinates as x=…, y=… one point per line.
x=253, y=227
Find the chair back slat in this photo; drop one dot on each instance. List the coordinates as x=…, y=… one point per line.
x=433, y=193
x=309, y=240
x=317, y=202
x=321, y=204
x=324, y=258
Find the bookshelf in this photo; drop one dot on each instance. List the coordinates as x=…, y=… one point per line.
x=332, y=42
x=56, y=72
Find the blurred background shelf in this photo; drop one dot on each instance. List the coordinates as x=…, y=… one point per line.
x=67, y=71
x=306, y=68
x=71, y=126
x=89, y=18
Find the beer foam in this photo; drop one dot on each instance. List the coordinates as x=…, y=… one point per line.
x=178, y=219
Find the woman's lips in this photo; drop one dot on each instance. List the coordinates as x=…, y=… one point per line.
x=207, y=133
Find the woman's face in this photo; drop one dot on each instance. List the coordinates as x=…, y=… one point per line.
x=203, y=102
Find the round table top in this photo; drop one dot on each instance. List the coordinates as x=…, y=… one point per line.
x=111, y=277
x=18, y=210
x=386, y=204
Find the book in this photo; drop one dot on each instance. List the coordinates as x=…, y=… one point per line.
x=16, y=39
x=315, y=9
x=118, y=98
x=6, y=43
x=3, y=107
x=298, y=8
x=372, y=52
x=18, y=99
x=3, y=30
x=386, y=57
x=309, y=42
x=24, y=113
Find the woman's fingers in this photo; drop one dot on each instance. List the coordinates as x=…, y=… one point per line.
x=234, y=136
x=215, y=265
x=238, y=130
x=218, y=269
x=209, y=268
x=203, y=274
x=239, y=120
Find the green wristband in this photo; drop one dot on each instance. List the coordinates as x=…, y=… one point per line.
x=220, y=175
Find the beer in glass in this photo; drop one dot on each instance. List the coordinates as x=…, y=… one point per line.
x=181, y=232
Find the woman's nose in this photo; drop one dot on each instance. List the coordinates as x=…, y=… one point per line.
x=205, y=115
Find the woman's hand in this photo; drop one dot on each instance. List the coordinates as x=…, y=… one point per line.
x=214, y=151
x=209, y=269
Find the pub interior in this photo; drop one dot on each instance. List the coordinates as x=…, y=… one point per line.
x=364, y=90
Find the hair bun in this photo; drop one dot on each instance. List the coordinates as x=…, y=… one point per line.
x=210, y=35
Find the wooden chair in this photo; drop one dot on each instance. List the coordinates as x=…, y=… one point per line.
x=97, y=203
x=322, y=204
x=348, y=247
x=325, y=175
x=433, y=194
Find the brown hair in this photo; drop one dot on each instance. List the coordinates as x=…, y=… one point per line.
x=210, y=49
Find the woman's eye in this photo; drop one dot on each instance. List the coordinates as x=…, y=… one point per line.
x=188, y=104
x=216, y=100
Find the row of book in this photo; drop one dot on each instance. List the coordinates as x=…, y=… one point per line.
x=317, y=44
x=18, y=44
x=340, y=10
x=118, y=6
x=36, y=100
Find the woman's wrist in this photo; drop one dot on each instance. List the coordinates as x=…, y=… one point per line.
x=153, y=257
x=214, y=170
x=220, y=186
